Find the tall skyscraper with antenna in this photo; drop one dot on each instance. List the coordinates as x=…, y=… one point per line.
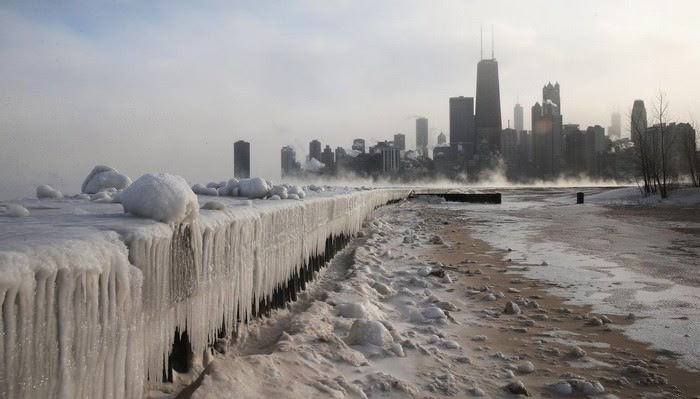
x=488, y=104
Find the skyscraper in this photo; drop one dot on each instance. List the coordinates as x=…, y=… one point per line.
x=315, y=150
x=462, y=123
x=422, y=136
x=400, y=141
x=638, y=121
x=518, y=118
x=441, y=138
x=241, y=159
x=488, y=106
x=615, y=129
x=289, y=161
x=551, y=92
x=328, y=157
x=359, y=145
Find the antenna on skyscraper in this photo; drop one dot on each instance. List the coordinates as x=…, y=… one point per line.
x=481, y=49
x=492, y=57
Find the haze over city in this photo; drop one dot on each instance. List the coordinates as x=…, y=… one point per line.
x=169, y=86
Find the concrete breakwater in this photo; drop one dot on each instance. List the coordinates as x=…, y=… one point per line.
x=93, y=300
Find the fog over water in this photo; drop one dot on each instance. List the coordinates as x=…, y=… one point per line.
x=169, y=86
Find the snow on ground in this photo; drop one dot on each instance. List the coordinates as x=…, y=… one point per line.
x=386, y=320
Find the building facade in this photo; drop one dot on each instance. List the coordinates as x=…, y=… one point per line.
x=241, y=159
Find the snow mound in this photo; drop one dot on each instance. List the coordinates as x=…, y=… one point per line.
x=16, y=211
x=253, y=188
x=162, y=197
x=364, y=332
x=102, y=177
x=46, y=191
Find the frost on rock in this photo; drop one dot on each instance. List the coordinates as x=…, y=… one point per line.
x=45, y=191
x=162, y=197
x=103, y=177
x=253, y=188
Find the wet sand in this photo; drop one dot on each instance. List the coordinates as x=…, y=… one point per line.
x=545, y=336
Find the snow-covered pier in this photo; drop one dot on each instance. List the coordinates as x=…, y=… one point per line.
x=92, y=297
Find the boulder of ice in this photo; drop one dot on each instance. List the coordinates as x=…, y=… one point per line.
x=102, y=177
x=274, y=197
x=162, y=197
x=364, y=332
x=204, y=190
x=293, y=197
x=102, y=196
x=296, y=190
x=16, y=211
x=46, y=191
x=253, y=188
x=280, y=191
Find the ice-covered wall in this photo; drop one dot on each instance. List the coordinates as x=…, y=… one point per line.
x=94, y=315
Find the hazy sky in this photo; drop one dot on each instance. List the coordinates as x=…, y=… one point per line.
x=169, y=85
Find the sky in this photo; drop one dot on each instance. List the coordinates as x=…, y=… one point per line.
x=168, y=86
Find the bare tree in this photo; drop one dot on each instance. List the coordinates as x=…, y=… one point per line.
x=661, y=144
x=643, y=151
x=690, y=153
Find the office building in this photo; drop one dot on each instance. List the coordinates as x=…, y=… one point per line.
x=241, y=159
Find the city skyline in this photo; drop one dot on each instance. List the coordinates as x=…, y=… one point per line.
x=165, y=86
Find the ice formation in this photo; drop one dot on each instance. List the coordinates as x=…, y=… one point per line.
x=45, y=191
x=103, y=177
x=17, y=210
x=253, y=188
x=89, y=309
x=162, y=197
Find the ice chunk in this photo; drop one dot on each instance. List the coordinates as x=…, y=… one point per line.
x=296, y=190
x=102, y=177
x=369, y=332
x=204, y=190
x=16, y=210
x=253, y=188
x=46, y=191
x=280, y=191
x=161, y=196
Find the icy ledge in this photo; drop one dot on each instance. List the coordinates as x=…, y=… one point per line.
x=91, y=297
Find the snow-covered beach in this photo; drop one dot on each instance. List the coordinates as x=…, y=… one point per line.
x=432, y=299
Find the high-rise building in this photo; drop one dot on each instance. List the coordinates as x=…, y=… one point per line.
x=400, y=141
x=615, y=129
x=328, y=157
x=551, y=92
x=518, y=118
x=441, y=139
x=488, y=107
x=422, y=136
x=315, y=150
x=462, y=128
x=289, y=161
x=638, y=121
x=359, y=145
x=241, y=159
x=547, y=133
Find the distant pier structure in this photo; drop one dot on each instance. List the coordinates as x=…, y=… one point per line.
x=241, y=159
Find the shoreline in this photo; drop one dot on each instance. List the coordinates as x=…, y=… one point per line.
x=609, y=351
